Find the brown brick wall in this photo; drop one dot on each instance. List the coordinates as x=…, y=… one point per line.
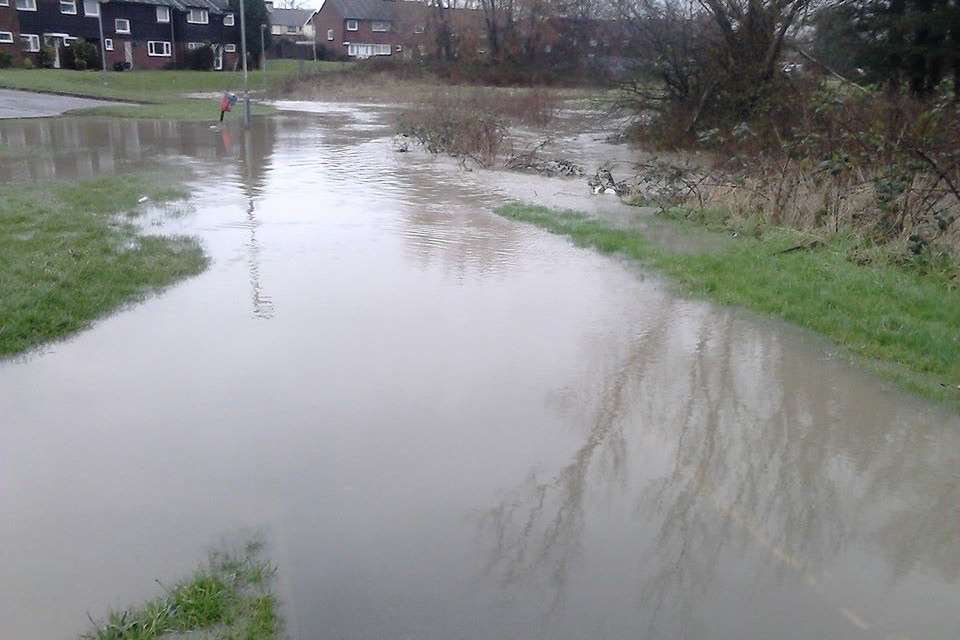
x=10, y=22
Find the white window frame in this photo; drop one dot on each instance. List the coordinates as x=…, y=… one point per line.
x=165, y=19
x=86, y=8
x=329, y=35
x=228, y=20
x=165, y=49
x=108, y=44
x=229, y=48
x=116, y=25
x=6, y=37
x=32, y=41
x=204, y=16
x=71, y=6
x=28, y=5
x=4, y=3
x=419, y=28
x=292, y=28
x=380, y=26
x=193, y=46
x=355, y=23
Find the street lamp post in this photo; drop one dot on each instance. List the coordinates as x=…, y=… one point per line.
x=243, y=49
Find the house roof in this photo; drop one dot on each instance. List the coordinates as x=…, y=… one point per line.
x=289, y=17
x=365, y=9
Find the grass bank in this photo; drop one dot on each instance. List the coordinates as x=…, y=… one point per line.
x=229, y=598
x=69, y=257
x=162, y=93
x=903, y=322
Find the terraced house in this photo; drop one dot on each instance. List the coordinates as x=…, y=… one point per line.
x=136, y=34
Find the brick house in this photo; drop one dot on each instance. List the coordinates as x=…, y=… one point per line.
x=137, y=34
x=10, y=31
x=367, y=28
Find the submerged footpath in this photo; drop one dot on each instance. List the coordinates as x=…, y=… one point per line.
x=901, y=322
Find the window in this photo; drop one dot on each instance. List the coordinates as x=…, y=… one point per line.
x=158, y=48
x=27, y=5
x=108, y=44
x=4, y=3
x=194, y=45
x=198, y=16
x=378, y=25
x=91, y=8
x=69, y=7
x=121, y=25
x=330, y=34
x=276, y=29
x=418, y=29
x=352, y=25
x=31, y=42
x=228, y=20
x=230, y=48
x=359, y=50
x=163, y=14
x=291, y=29
x=6, y=37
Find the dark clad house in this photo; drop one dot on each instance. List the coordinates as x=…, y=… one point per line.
x=137, y=34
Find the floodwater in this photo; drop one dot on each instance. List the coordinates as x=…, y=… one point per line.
x=448, y=425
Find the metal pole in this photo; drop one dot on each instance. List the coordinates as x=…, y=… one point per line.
x=243, y=49
x=103, y=47
x=263, y=55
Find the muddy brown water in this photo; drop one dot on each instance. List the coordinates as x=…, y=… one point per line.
x=449, y=425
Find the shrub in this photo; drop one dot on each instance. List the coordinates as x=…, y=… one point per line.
x=46, y=57
x=27, y=63
x=6, y=60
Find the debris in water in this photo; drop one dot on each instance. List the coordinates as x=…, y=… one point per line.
x=142, y=199
x=603, y=182
x=549, y=168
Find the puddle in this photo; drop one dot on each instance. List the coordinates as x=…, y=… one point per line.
x=449, y=425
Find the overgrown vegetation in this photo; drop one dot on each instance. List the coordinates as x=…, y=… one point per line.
x=229, y=598
x=474, y=125
x=183, y=109
x=69, y=258
x=904, y=318
x=792, y=145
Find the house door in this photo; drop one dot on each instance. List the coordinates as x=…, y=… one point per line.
x=128, y=53
x=217, y=57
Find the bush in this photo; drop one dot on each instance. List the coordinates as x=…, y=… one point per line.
x=46, y=57
x=27, y=63
x=6, y=60
x=199, y=59
x=85, y=55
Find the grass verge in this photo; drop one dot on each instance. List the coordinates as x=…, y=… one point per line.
x=68, y=258
x=152, y=86
x=229, y=598
x=180, y=109
x=904, y=323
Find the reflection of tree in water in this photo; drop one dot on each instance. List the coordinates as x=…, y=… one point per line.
x=771, y=460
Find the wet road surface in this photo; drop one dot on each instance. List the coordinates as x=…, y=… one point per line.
x=449, y=425
x=26, y=104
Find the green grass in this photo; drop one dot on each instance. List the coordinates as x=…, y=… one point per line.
x=69, y=258
x=906, y=324
x=229, y=598
x=179, y=109
x=151, y=86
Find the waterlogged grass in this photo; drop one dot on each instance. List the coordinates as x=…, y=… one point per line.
x=69, y=258
x=181, y=109
x=906, y=324
x=229, y=598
